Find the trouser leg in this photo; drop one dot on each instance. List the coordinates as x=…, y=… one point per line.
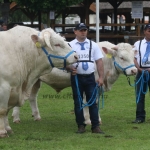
x=140, y=100
x=77, y=105
x=93, y=109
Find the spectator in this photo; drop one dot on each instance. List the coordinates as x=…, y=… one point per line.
x=3, y=27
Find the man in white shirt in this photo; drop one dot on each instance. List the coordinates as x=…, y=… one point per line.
x=89, y=54
x=142, y=63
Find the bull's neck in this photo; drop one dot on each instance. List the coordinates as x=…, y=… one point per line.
x=110, y=73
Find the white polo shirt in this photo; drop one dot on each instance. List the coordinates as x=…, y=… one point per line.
x=84, y=55
x=142, y=52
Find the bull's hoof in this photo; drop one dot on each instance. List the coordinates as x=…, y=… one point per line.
x=36, y=116
x=17, y=121
x=4, y=135
x=10, y=132
x=37, y=119
x=88, y=122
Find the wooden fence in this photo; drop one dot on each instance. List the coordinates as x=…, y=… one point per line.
x=112, y=36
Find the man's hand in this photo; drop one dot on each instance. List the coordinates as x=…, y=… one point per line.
x=148, y=70
x=71, y=69
x=74, y=71
x=100, y=82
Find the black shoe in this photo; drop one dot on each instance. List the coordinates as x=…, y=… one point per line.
x=97, y=130
x=138, y=121
x=81, y=129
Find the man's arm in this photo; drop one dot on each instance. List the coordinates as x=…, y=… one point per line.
x=137, y=65
x=100, y=70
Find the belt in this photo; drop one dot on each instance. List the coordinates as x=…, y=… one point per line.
x=85, y=75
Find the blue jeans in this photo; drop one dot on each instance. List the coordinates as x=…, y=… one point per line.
x=140, y=107
x=86, y=84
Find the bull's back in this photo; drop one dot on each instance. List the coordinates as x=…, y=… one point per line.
x=14, y=50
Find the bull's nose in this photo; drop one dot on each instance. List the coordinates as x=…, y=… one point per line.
x=134, y=71
x=75, y=56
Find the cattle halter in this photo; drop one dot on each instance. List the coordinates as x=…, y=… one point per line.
x=49, y=56
x=122, y=69
x=55, y=56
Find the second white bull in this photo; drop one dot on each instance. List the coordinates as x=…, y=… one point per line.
x=118, y=59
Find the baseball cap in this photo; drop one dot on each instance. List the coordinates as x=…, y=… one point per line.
x=80, y=26
x=147, y=27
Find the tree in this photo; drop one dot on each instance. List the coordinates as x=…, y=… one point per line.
x=34, y=8
x=46, y=5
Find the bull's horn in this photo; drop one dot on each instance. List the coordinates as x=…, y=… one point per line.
x=115, y=48
x=47, y=39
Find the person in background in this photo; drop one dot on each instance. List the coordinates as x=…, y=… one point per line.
x=3, y=27
x=89, y=54
x=142, y=63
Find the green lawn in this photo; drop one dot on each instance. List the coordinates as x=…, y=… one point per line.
x=56, y=130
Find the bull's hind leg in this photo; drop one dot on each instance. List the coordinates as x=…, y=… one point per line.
x=33, y=100
x=87, y=115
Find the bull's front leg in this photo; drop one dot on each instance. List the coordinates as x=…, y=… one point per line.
x=15, y=114
x=33, y=101
x=34, y=108
x=33, y=104
x=3, y=131
x=7, y=126
x=4, y=102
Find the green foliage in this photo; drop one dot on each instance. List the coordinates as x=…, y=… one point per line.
x=46, y=5
x=18, y=16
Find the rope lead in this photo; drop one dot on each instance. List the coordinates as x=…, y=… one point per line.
x=98, y=91
x=143, y=81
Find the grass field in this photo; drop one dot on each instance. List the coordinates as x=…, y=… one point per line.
x=56, y=130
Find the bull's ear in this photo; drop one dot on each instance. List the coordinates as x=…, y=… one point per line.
x=47, y=36
x=108, y=51
x=105, y=50
x=35, y=39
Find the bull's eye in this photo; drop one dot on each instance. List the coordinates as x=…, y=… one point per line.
x=121, y=58
x=57, y=44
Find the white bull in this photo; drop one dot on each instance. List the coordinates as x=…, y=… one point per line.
x=23, y=61
x=121, y=55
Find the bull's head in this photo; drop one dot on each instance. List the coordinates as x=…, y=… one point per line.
x=55, y=47
x=123, y=58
